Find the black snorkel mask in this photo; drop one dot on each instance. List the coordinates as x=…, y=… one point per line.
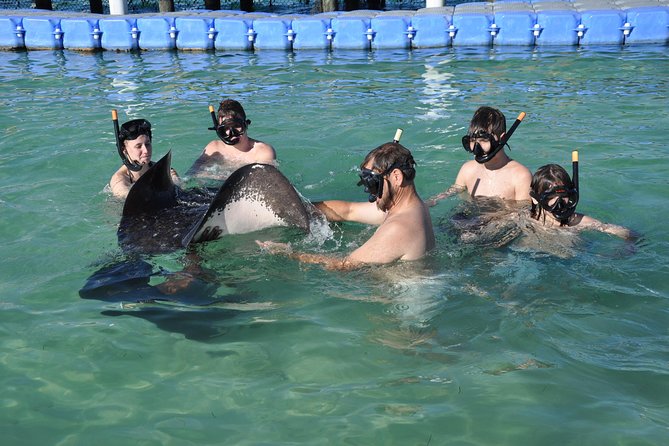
x=373, y=181
x=129, y=130
x=564, y=204
x=495, y=146
x=231, y=129
x=566, y=198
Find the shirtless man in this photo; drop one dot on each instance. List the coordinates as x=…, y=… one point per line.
x=492, y=173
x=235, y=148
x=405, y=228
x=134, y=139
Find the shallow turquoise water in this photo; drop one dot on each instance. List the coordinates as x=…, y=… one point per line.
x=474, y=346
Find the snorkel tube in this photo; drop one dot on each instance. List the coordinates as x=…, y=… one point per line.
x=129, y=164
x=502, y=142
x=213, y=118
x=398, y=135
x=574, y=169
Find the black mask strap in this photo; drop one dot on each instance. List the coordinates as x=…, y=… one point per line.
x=135, y=167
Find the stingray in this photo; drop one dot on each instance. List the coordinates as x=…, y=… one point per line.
x=159, y=217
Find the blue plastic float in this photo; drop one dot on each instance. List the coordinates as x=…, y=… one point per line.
x=502, y=23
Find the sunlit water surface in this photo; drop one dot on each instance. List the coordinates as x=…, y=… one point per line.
x=476, y=345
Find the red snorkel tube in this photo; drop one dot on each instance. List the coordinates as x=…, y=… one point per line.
x=130, y=165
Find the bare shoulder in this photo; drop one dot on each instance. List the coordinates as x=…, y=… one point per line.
x=120, y=183
x=522, y=179
x=519, y=169
x=467, y=171
x=214, y=146
x=469, y=167
x=263, y=151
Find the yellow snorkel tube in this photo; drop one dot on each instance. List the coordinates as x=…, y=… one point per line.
x=213, y=118
x=574, y=169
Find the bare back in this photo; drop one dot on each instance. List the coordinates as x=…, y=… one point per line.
x=406, y=234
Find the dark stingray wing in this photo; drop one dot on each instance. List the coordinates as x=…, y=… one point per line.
x=152, y=222
x=254, y=197
x=153, y=191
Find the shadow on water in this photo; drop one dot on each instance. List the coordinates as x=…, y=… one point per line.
x=186, y=302
x=161, y=218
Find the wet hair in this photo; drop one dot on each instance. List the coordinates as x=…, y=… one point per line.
x=134, y=129
x=229, y=108
x=395, y=155
x=489, y=120
x=543, y=179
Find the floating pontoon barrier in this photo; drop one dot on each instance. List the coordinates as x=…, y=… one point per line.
x=502, y=23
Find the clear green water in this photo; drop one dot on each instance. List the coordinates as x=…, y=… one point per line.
x=479, y=347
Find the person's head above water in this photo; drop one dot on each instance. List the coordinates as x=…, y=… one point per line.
x=486, y=129
x=553, y=191
x=232, y=122
x=487, y=134
x=379, y=164
x=135, y=139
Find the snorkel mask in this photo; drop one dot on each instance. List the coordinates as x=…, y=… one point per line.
x=373, y=181
x=129, y=130
x=561, y=200
x=495, y=145
x=231, y=129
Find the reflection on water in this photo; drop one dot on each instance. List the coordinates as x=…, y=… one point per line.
x=487, y=338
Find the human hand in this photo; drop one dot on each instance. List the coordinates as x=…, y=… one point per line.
x=275, y=247
x=176, y=283
x=430, y=202
x=210, y=233
x=175, y=176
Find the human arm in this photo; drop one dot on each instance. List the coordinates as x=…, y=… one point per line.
x=263, y=153
x=328, y=261
x=460, y=185
x=454, y=189
x=120, y=184
x=338, y=210
x=608, y=228
x=389, y=243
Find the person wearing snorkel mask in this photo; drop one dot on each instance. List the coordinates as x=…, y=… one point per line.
x=554, y=198
x=234, y=147
x=404, y=226
x=134, y=144
x=491, y=173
